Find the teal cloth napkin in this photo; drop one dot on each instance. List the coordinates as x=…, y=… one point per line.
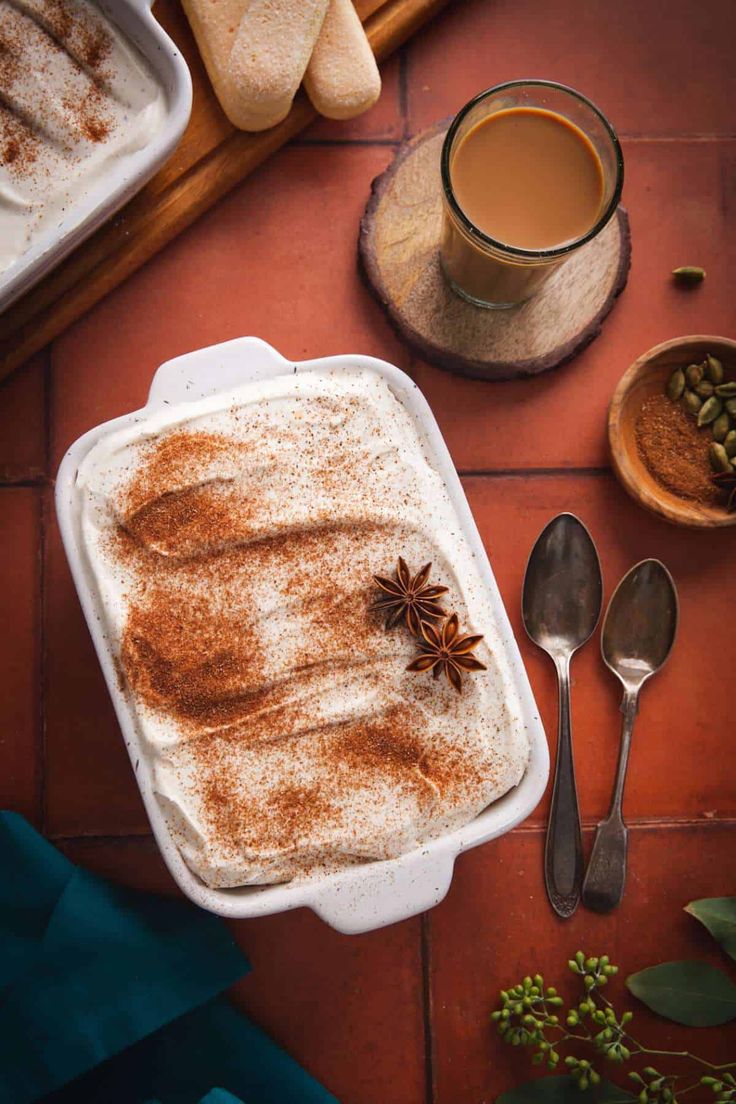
x=109, y=995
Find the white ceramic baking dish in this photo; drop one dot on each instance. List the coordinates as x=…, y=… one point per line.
x=124, y=179
x=362, y=897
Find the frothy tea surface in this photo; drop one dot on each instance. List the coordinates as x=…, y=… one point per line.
x=528, y=178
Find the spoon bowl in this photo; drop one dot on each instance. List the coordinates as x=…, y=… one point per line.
x=563, y=588
x=640, y=624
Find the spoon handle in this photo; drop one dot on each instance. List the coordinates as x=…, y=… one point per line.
x=605, y=878
x=563, y=855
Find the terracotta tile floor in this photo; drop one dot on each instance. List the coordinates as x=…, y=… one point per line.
x=400, y=1016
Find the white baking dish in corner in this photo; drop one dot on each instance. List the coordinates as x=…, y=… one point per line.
x=125, y=177
x=377, y=893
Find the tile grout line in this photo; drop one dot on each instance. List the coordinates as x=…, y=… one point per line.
x=519, y=473
x=493, y=473
x=643, y=824
x=40, y=771
x=102, y=838
x=404, y=91
x=42, y=581
x=31, y=481
x=425, y=947
x=307, y=143
x=724, y=186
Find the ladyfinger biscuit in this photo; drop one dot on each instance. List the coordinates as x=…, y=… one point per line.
x=342, y=78
x=214, y=24
x=256, y=52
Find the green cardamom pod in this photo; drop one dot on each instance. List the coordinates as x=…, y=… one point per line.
x=676, y=385
x=710, y=410
x=713, y=369
x=689, y=274
x=718, y=456
x=720, y=427
x=694, y=374
x=705, y=389
x=727, y=390
x=731, y=407
x=693, y=402
x=729, y=443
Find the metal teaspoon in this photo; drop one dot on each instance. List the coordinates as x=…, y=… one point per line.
x=638, y=634
x=561, y=604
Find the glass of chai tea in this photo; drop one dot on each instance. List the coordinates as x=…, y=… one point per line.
x=531, y=172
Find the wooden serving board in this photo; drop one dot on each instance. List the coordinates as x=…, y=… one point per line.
x=211, y=158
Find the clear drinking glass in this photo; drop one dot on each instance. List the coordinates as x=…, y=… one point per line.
x=491, y=273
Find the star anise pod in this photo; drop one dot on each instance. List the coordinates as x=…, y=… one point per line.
x=442, y=649
x=726, y=481
x=409, y=597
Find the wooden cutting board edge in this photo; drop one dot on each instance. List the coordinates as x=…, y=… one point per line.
x=141, y=229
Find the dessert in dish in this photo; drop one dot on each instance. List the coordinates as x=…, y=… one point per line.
x=76, y=99
x=257, y=51
x=232, y=544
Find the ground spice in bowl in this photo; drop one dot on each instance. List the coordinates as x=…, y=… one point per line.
x=675, y=451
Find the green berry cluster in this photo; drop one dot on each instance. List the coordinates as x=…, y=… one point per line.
x=724, y=1087
x=526, y=1014
x=595, y=972
x=531, y=1015
x=656, y=1087
x=582, y=1071
x=607, y=1033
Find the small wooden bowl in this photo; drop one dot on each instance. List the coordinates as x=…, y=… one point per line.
x=647, y=376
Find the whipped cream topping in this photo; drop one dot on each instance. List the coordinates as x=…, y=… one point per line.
x=76, y=99
x=232, y=543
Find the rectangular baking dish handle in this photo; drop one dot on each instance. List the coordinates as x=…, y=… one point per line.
x=383, y=893
x=217, y=368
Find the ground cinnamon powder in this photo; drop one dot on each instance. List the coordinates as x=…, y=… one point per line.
x=675, y=450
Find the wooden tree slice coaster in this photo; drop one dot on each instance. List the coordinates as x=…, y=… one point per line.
x=399, y=257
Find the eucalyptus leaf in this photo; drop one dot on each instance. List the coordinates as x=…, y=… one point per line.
x=564, y=1090
x=718, y=915
x=692, y=993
